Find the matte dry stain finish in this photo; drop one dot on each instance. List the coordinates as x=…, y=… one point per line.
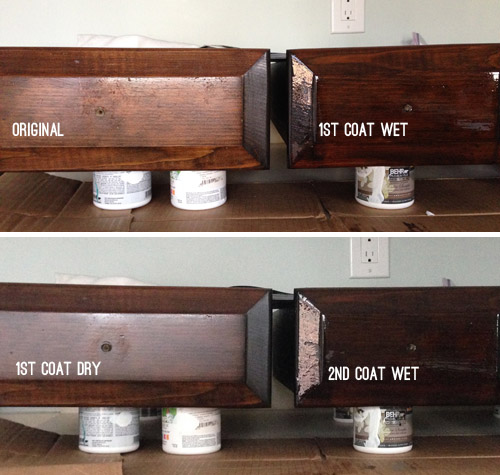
x=125, y=112
x=142, y=346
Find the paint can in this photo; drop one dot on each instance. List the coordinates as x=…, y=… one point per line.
x=108, y=430
x=191, y=430
x=197, y=190
x=121, y=190
x=385, y=187
x=383, y=430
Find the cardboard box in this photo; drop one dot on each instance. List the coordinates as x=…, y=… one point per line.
x=40, y=202
x=25, y=450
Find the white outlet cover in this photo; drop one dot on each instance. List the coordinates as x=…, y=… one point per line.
x=357, y=25
x=370, y=270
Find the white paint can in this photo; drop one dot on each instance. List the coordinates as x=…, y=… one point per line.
x=109, y=430
x=198, y=190
x=342, y=414
x=385, y=187
x=191, y=430
x=121, y=190
x=383, y=430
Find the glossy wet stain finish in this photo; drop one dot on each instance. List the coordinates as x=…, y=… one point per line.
x=447, y=338
x=447, y=96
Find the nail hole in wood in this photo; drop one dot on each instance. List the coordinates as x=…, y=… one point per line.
x=106, y=347
x=99, y=112
x=408, y=108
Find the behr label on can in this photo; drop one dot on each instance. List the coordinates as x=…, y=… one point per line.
x=385, y=187
x=379, y=430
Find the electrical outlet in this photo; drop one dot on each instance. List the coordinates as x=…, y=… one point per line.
x=369, y=257
x=369, y=250
x=347, y=10
x=348, y=16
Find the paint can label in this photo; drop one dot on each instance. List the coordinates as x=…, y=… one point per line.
x=108, y=427
x=121, y=190
x=383, y=427
x=385, y=185
x=191, y=430
x=197, y=190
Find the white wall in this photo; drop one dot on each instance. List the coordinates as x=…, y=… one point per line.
x=275, y=24
x=282, y=263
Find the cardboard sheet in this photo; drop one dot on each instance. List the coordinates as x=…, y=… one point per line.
x=424, y=447
x=482, y=223
x=40, y=202
x=25, y=450
x=241, y=225
x=457, y=205
x=444, y=197
x=436, y=455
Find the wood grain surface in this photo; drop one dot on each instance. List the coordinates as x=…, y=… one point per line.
x=447, y=95
x=186, y=344
x=129, y=109
x=450, y=334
